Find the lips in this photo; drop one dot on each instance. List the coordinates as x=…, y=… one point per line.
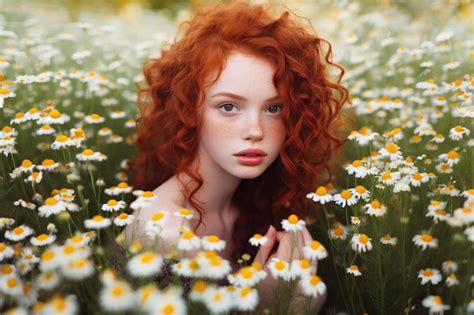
x=251, y=152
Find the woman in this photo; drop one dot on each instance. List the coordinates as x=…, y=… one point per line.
x=238, y=83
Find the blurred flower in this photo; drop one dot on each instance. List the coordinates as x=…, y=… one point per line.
x=123, y=219
x=388, y=240
x=300, y=267
x=43, y=239
x=452, y=280
x=94, y=119
x=355, y=220
x=312, y=285
x=117, y=296
x=429, y=275
x=97, y=222
x=212, y=265
x=78, y=269
x=218, y=300
x=212, y=242
x=338, y=231
x=470, y=233
x=113, y=205
x=184, y=213
x=469, y=194
x=58, y=305
x=90, y=155
x=435, y=304
x=353, y=270
x=19, y=233
x=391, y=150
x=51, y=206
x=246, y=298
x=449, y=266
x=6, y=251
x=451, y=158
x=425, y=240
x=145, y=264
x=189, y=241
x=155, y=225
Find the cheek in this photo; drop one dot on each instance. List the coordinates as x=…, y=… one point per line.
x=216, y=129
x=277, y=132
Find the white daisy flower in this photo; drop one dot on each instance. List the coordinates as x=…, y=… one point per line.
x=218, y=299
x=19, y=233
x=363, y=136
x=360, y=192
x=212, y=265
x=465, y=214
x=357, y=168
x=361, y=243
x=54, y=117
x=58, y=305
x=78, y=269
x=346, y=197
x=391, y=150
x=389, y=178
x=293, y=224
x=435, y=304
x=449, y=266
x=26, y=166
x=188, y=241
x=354, y=270
x=6, y=222
x=212, y=242
x=470, y=233
x=438, y=215
x=312, y=285
x=45, y=130
x=48, y=280
x=168, y=302
x=105, y=131
x=279, y=269
x=388, y=240
x=247, y=276
x=375, y=208
x=6, y=251
x=184, y=213
x=121, y=188
x=439, y=138
x=34, y=177
x=113, y=205
x=187, y=268
x=90, y=155
x=355, y=220
x=123, y=219
x=314, y=250
x=145, y=264
x=117, y=296
x=94, y=119
x=436, y=205
x=43, y=239
x=50, y=259
x=469, y=194
x=145, y=198
x=258, y=240
x=51, y=206
x=48, y=165
x=444, y=168
x=458, y=132
x=97, y=222
x=417, y=178
x=300, y=268
x=338, y=231
x=11, y=285
x=448, y=190
x=451, y=158
x=62, y=141
x=429, y=275
x=321, y=195
x=246, y=298
x=425, y=240
x=198, y=291
x=155, y=226
x=452, y=280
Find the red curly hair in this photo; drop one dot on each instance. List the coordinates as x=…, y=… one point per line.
x=169, y=125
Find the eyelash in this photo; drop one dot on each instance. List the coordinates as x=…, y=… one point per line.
x=224, y=104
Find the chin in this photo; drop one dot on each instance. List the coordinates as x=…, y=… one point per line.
x=250, y=174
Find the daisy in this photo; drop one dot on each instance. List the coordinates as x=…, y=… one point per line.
x=198, y=291
x=458, y=132
x=105, y=131
x=145, y=264
x=469, y=194
x=436, y=205
x=61, y=141
x=312, y=285
x=293, y=224
x=48, y=165
x=355, y=220
x=97, y=222
x=279, y=269
x=417, y=178
x=321, y=195
x=123, y=219
x=212, y=242
x=345, y=198
x=438, y=215
x=187, y=268
x=448, y=190
x=300, y=267
x=67, y=254
x=452, y=280
x=113, y=205
x=246, y=298
x=218, y=299
x=444, y=168
x=6, y=222
x=425, y=240
x=363, y=136
x=26, y=166
x=43, y=239
x=439, y=138
x=121, y=188
x=51, y=206
x=34, y=177
x=4, y=94
x=429, y=275
x=58, y=305
x=465, y=214
x=6, y=251
x=391, y=150
x=11, y=285
x=246, y=276
x=78, y=240
x=314, y=250
x=53, y=117
x=258, y=240
x=338, y=231
x=78, y=269
x=144, y=199
x=117, y=296
x=212, y=265
x=449, y=266
x=189, y=241
x=184, y=213
x=435, y=304
x=388, y=240
x=45, y=130
x=169, y=302
x=94, y=119
x=353, y=270
x=48, y=280
x=19, y=233
x=375, y=208
x=451, y=158
x=470, y=233
x=155, y=226
x=360, y=192
x=361, y=243
x=50, y=259
x=357, y=168
x=90, y=155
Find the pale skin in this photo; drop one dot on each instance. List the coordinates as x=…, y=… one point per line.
x=247, y=119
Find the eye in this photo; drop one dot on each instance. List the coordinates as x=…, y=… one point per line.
x=275, y=106
x=227, y=107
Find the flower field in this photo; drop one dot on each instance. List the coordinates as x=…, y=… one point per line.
x=394, y=230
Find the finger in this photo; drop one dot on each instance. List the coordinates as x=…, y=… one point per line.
x=264, y=250
x=306, y=235
x=284, y=246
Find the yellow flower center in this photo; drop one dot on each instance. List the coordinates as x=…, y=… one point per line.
x=98, y=218
x=217, y=296
x=427, y=272
x=60, y=305
x=61, y=138
x=48, y=255
x=118, y=291
x=245, y=291
x=47, y=162
x=426, y=238
x=321, y=191
x=315, y=245
x=391, y=148
x=112, y=202
x=77, y=239
x=193, y=265
x=440, y=212
x=459, y=129
x=375, y=204
x=363, y=239
x=122, y=185
x=147, y=194
x=51, y=201
x=95, y=116
x=346, y=194
x=257, y=236
x=387, y=237
x=304, y=264
x=246, y=272
x=55, y=114
x=452, y=155
x=26, y=163
x=466, y=210
x=4, y=91
x=147, y=257
x=279, y=265
x=88, y=152
x=338, y=231
x=42, y=237
x=12, y=282
x=354, y=267
x=7, y=269
x=188, y=235
x=199, y=286
x=123, y=216
x=157, y=216
x=213, y=239
x=293, y=219
x=386, y=175
x=314, y=280
x=437, y=300
x=360, y=189
x=18, y=230
x=357, y=163
x=68, y=250
x=417, y=176
x=184, y=211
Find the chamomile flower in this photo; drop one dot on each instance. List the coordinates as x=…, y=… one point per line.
x=97, y=222
x=145, y=198
x=346, y=197
x=279, y=269
x=360, y=192
x=438, y=215
x=436, y=205
x=392, y=151
x=168, y=302
x=89, y=155
x=11, y=285
x=469, y=194
x=338, y=231
x=301, y=267
x=187, y=267
x=258, y=240
x=470, y=233
x=458, y=132
x=312, y=285
x=198, y=291
x=113, y=205
x=45, y=130
x=388, y=240
x=357, y=168
x=449, y=266
x=48, y=280
x=123, y=219
x=465, y=214
x=212, y=265
x=293, y=224
x=314, y=250
x=145, y=264
x=26, y=166
x=117, y=296
x=321, y=195
x=184, y=213
x=451, y=158
x=94, y=119
x=154, y=227
x=375, y=208
x=212, y=242
x=246, y=298
x=19, y=233
x=48, y=165
x=363, y=136
x=188, y=241
x=34, y=177
x=417, y=178
x=361, y=243
x=435, y=304
x=6, y=222
x=425, y=240
x=429, y=275
x=448, y=190
x=451, y=280
x=78, y=269
x=354, y=270
x=58, y=305
x=218, y=299
x=444, y=168
x=439, y=138
x=121, y=188
x=6, y=251
x=51, y=206
x=43, y=239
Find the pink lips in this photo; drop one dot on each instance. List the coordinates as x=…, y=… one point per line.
x=250, y=156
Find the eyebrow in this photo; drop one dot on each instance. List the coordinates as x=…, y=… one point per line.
x=239, y=97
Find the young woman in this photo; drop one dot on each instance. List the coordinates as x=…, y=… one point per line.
x=236, y=125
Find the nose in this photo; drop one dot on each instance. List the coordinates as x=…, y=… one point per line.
x=253, y=129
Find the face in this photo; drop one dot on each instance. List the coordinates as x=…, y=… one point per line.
x=242, y=111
